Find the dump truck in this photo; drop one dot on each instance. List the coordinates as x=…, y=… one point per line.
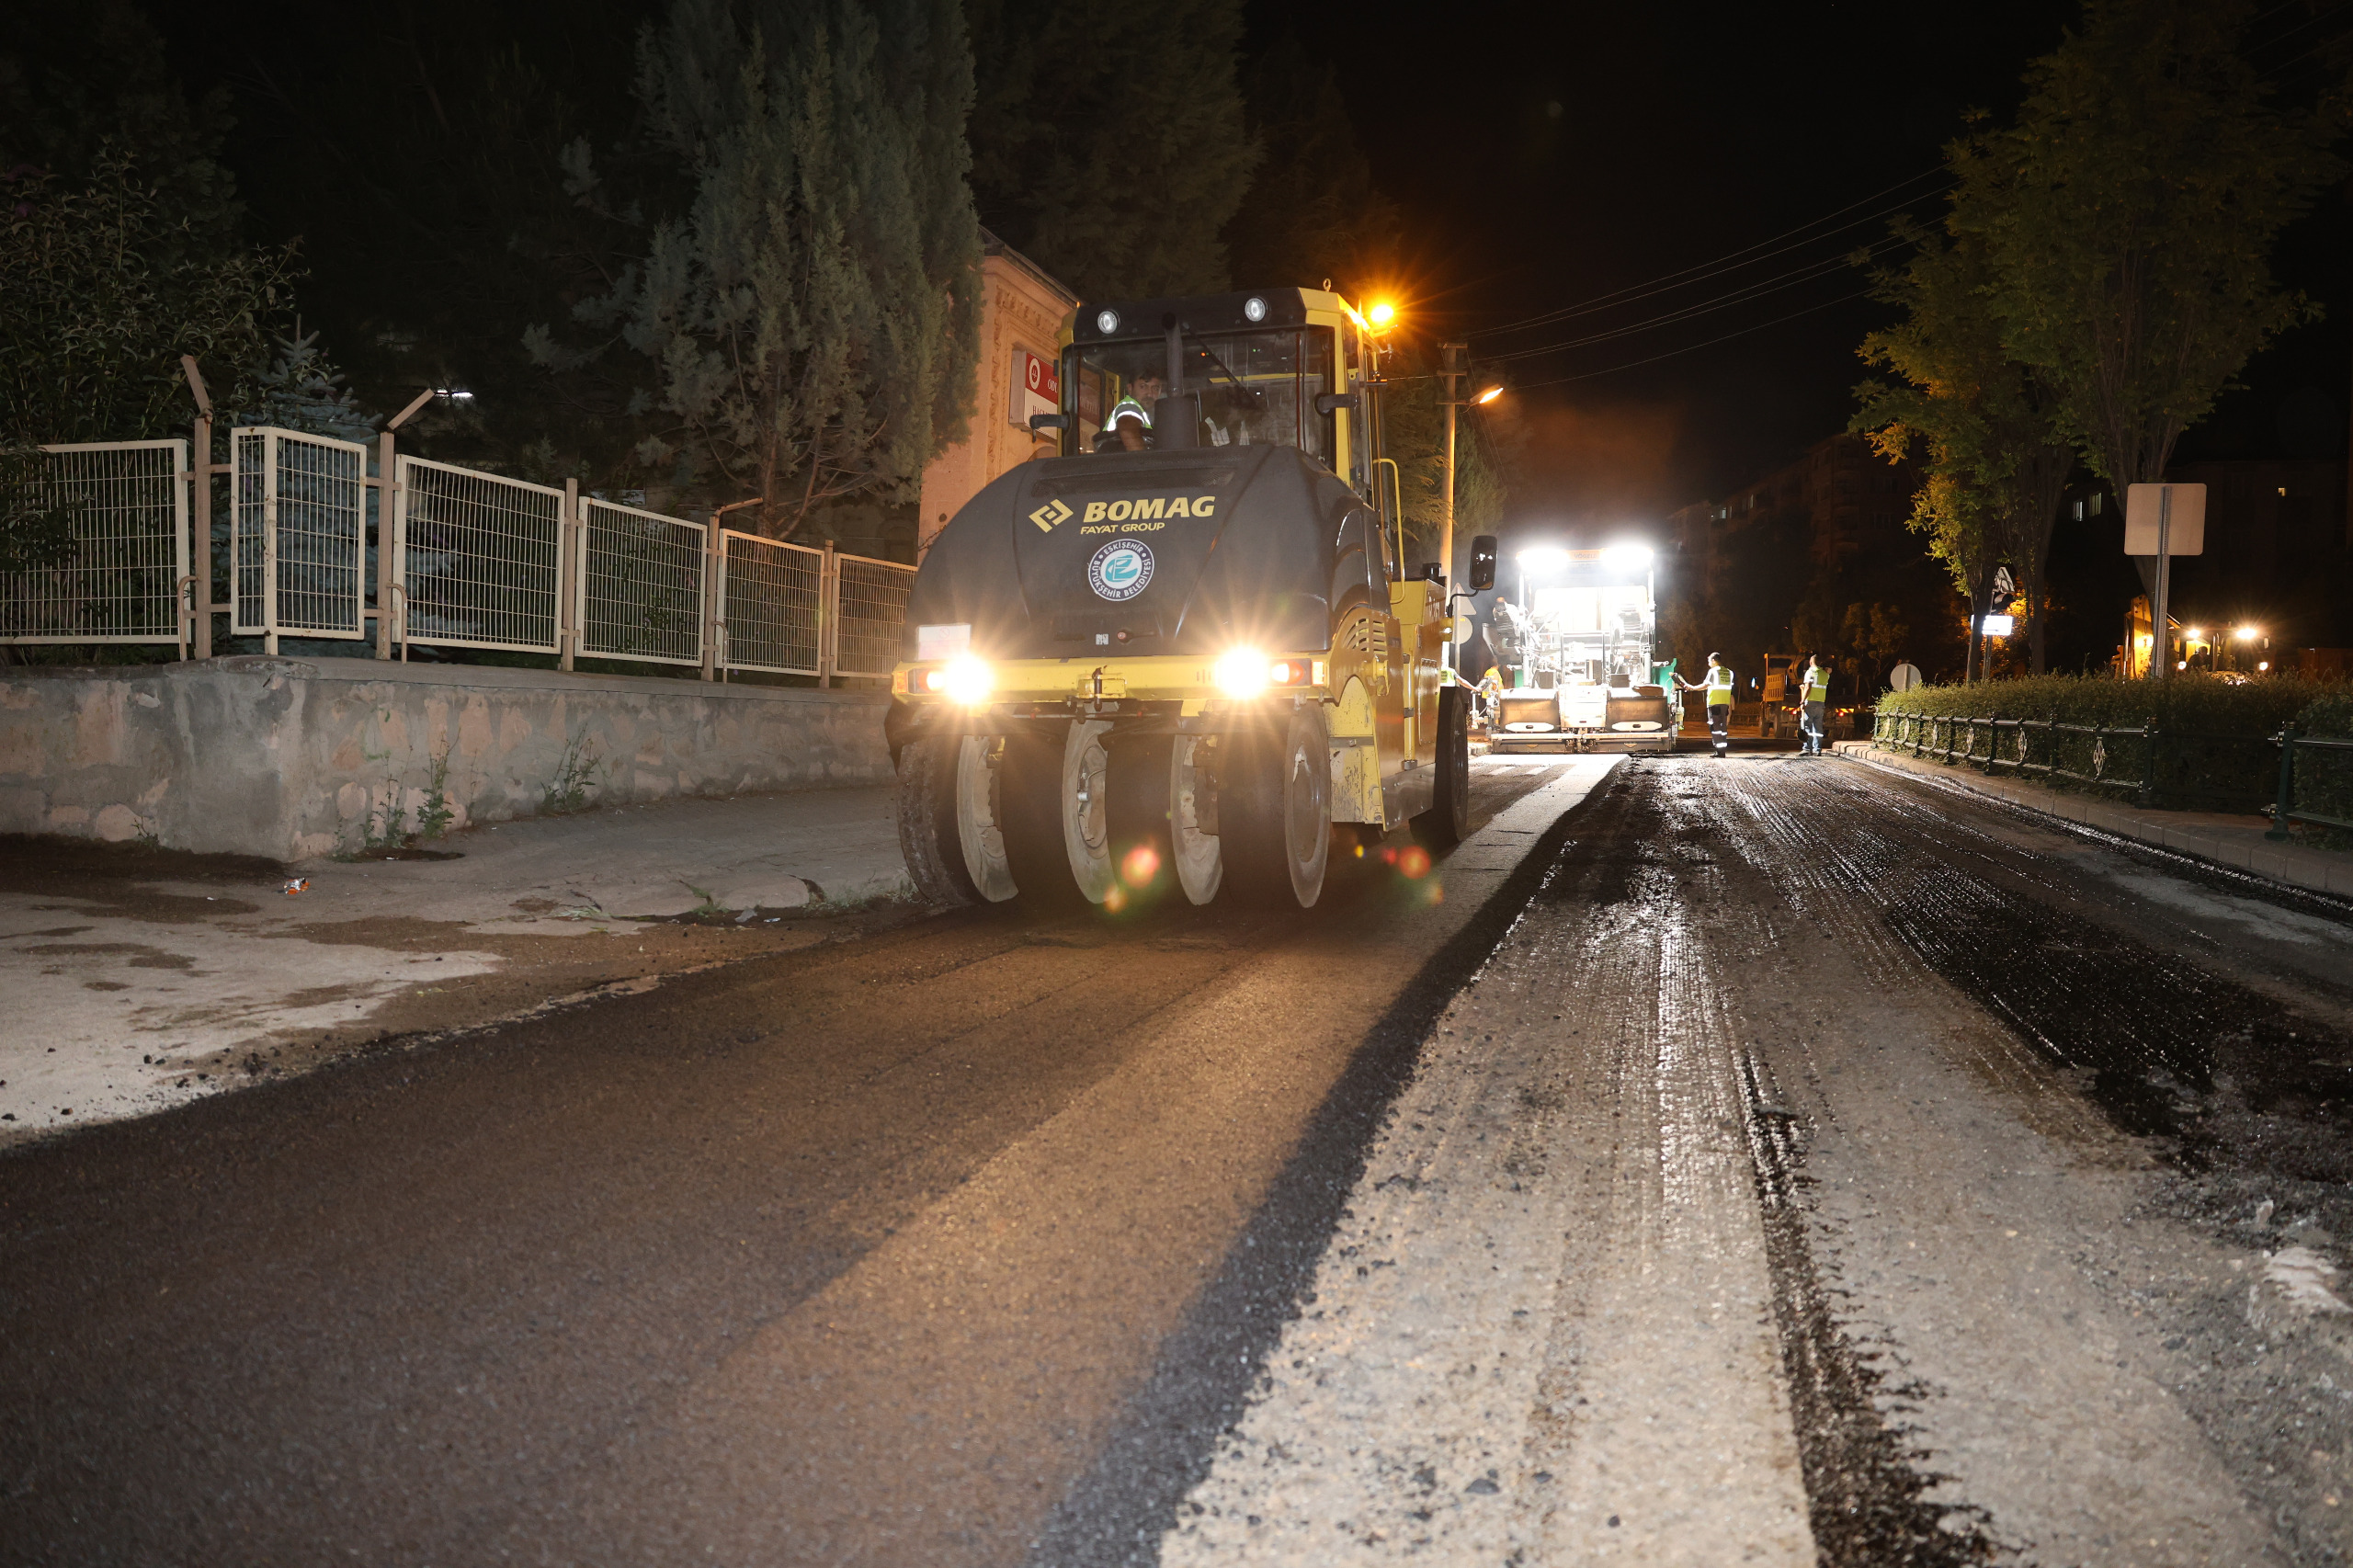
x=1183, y=653
x=1585, y=678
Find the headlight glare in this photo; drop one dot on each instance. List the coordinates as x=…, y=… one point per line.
x=967, y=680
x=1242, y=673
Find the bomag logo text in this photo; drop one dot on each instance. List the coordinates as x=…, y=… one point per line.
x=1145, y=506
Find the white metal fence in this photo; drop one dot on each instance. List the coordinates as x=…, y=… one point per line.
x=642, y=585
x=476, y=561
x=299, y=534
x=771, y=600
x=123, y=506
x=481, y=558
x=872, y=600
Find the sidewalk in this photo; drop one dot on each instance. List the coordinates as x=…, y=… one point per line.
x=138, y=978
x=2221, y=837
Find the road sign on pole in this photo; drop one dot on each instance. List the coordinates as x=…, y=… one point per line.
x=2164, y=520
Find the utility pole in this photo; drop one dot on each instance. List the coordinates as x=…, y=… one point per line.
x=1454, y=363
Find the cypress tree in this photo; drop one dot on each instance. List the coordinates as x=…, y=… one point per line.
x=1313, y=212
x=1110, y=142
x=810, y=318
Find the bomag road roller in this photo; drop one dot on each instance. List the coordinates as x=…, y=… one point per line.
x=1183, y=653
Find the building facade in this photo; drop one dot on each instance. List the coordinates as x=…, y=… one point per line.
x=1022, y=312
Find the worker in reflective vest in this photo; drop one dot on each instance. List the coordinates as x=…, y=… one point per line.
x=1717, y=684
x=1130, y=421
x=1816, y=724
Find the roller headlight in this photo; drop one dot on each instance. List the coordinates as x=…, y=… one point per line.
x=1246, y=672
x=966, y=680
x=1242, y=673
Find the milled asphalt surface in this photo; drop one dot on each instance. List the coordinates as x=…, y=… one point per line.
x=1771, y=1161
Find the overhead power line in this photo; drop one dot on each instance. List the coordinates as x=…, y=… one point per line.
x=1745, y=257
x=1691, y=348
x=1810, y=272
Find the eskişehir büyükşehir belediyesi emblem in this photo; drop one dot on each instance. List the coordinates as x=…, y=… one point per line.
x=1120, y=570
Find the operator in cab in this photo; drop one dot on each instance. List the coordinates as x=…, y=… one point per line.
x=1130, y=420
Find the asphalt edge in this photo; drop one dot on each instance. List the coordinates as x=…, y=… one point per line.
x=2333, y=881
x=1165, y=1438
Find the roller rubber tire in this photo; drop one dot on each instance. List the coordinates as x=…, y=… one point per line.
x=1029, y=798
x=1447, y=822
x=1198, y=856
x=927, y=834
x=1138, y=784
x=1275, y=809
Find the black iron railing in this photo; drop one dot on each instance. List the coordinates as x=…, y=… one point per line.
x=2284, y=810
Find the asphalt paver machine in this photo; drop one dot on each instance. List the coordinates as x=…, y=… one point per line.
x=1585, y=672
x=1185, y=652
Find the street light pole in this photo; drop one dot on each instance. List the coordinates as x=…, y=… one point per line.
x=1455, y=363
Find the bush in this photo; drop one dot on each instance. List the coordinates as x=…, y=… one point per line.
x=2324, y=779
x=2212, y=745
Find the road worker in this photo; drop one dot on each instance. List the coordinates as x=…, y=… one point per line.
x=1717, y=684
x=1130, y=420
x=1816, y=690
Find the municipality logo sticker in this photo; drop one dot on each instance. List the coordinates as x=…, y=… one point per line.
x=1120, y=570
x=1047, y=516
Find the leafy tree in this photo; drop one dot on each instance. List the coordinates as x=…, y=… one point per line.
x=2127, y=218
x=85, y=84
x=1876, y=632
x=1414, y=423
x=446, y=198
x=1110, y=142
x=1312, y=212
x=101, y=292
x=811, y=319
x=1996, y=460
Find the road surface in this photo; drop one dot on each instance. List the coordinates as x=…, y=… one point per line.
x=1769, y=1160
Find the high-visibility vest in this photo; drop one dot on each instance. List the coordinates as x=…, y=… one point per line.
x=1817, y=685
x=1127, y=408
x=1719, y=687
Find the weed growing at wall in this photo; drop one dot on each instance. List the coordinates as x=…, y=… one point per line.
x=389, y=829
x=435, y=814
x=575, y=775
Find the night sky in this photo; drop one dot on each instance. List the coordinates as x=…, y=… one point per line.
x=1546, y=155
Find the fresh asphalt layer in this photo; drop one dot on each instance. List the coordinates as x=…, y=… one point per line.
x=848, y=1258
x=1765, y=1161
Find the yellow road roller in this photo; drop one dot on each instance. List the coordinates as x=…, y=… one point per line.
x=1184, y=654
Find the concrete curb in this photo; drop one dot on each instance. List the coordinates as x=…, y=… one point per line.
x=2230, y=841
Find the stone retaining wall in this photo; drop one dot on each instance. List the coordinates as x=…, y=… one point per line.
x=293, y=759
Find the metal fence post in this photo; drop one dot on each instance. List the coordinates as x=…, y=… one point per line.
x=2286, y=801
x=567, y=561
x=200, y=544
x=711, y=609
x=392, y=580
x=829, y=615
x=200, y=521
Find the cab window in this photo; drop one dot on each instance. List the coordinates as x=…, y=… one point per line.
x=1255, y=388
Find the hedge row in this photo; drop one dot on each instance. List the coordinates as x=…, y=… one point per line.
x=2210, y=748
x=2323, y=778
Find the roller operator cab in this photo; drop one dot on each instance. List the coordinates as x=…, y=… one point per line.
x=1183, y=655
